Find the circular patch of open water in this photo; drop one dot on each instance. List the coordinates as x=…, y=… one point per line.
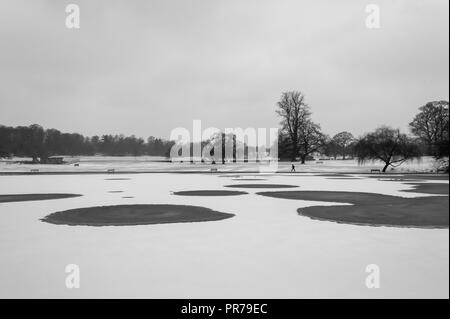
x=126, y=215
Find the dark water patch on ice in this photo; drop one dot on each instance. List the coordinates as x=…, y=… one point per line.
x=209, y=193
x=129, y=215
x=428, y=188
x=398, y=180
x=33, y=197
x=261, y=186
x=372, y=209
x=115, y=191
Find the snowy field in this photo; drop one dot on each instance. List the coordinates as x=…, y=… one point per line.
x=160, y=164
x=266, y=251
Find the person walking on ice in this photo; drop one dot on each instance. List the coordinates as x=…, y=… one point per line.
x=292, y=168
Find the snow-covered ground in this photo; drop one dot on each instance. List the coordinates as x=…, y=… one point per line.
x=155, y=164
x=266, y=251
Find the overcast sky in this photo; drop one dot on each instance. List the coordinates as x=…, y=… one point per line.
x=146, y=67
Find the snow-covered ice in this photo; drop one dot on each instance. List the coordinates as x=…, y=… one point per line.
x=153, y=164
x=266, y=251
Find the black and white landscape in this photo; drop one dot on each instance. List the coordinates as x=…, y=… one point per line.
x=224, y=149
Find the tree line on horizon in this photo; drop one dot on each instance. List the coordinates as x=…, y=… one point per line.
x=39, y=144
x=300, y=137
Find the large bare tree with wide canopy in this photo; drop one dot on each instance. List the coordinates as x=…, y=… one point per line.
x=303, y=135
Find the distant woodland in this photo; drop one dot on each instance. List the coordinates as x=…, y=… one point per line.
x=38, y=143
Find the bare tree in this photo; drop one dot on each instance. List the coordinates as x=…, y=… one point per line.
x=311, y=139
x=294, y=113
x=330, y=148
x=343, y=140
x=431, y=125
x=388, y=145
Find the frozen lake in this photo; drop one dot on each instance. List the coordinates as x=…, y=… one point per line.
x=161, y=164
x=265, y=251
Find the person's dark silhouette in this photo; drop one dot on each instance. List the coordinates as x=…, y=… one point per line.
x=293, y=168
